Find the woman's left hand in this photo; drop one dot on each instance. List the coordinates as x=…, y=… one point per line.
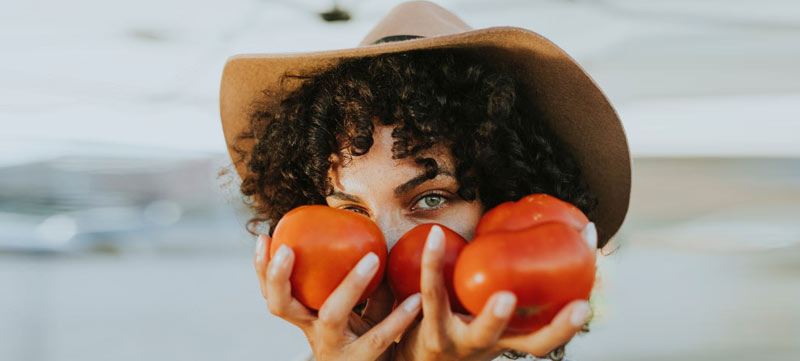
x=444, y=335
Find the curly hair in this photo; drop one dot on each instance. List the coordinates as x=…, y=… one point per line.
x=501, y=147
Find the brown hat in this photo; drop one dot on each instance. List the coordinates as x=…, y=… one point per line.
x=573, y=105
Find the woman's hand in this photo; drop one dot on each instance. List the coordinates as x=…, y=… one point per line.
x=336, y=332
x=444, y=335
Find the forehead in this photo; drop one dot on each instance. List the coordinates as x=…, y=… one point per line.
x=377, y=166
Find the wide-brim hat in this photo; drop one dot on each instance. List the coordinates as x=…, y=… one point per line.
x=560, y=90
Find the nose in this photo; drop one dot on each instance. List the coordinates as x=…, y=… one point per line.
x=393, y=228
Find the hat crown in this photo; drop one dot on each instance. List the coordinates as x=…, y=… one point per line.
x=415, y=19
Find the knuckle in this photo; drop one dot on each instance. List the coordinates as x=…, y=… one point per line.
x=477, y=342
x=431, y=292
x=277, y=285
x=326, y=319
x=275, y=309
x=376, y=341
x=430, y=264
x=351, y=286
x=272, y=280
x=436, y=345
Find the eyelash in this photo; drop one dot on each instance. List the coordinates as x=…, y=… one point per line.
x=444, y=197
x=355, y=209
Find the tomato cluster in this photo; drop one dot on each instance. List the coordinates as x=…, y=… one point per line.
x=532, y=247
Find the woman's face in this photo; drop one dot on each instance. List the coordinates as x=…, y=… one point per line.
x=395, y=192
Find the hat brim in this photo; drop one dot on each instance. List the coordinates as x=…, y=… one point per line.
x=570, y=101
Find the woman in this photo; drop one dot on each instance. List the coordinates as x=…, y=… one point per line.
x=438, y=129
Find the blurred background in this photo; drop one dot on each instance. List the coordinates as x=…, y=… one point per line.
x=118, y=239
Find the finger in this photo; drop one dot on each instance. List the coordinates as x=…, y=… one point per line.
x=589, y=234
x=435, y=304
x=380, y=337
x=336, y=309
x=261, y=261
x=485, y=330
x=563, y=327
x=279, y=290
x=379, y=304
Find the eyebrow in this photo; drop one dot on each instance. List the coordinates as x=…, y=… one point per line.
x=399, y=190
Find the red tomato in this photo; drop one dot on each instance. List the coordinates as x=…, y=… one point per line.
x=546, y=265
x=327, y=244
x=405, y=262
x=530, y=211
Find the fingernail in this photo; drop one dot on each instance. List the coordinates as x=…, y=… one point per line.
x=504, y=304
x=365, y=266
x=435, y=237
x=259, y=245
x=411, y=305
x=589, y=234
x=580, y=314
x=280, y=257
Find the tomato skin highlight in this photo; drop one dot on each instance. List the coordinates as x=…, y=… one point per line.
x=533, y=248
x=530, y=211
x=404, y=267
x=327, y=244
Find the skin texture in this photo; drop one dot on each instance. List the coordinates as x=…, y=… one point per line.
x=373, y=179
x=372, y=184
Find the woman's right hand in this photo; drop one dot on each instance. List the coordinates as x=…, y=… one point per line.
x=335, y=332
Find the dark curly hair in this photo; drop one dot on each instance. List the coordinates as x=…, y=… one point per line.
x=502, y=148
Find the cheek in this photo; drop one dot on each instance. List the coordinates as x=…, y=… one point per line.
x=462, y=219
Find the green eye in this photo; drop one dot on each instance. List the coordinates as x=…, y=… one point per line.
x=430, y=201
x=356, y=210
